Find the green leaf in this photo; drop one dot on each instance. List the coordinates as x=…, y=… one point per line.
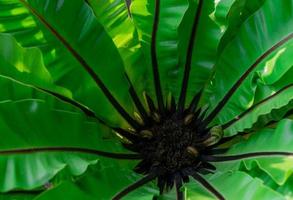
x=244, y=187
x=31, y=124
x=169, y=18
x=220, y=15
x=65, y=190
x=285, y=189
x=88, y=32
x=204, y=53
x=18, y=196
x=25, y=65
x=239, y=12
x=12, y=90
x=269, y=140
x=278, y=65
x=265, y=91
x=244, y=121
x=235, y=72
x=116, y=176
x=16, y=20
x=103, y=181
x=274, y=116
x=114, y=17
x=117, y=21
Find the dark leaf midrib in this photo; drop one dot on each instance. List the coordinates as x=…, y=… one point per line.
x=127, y=5
x=142, y=111
x=70, y=101
x=25, y=192
x=135, y=185
x=70, y=149
x=207, y=185
x=155, y=68
x=178, y=187
x=249, y=110
x=182, y=97
x=246, y=155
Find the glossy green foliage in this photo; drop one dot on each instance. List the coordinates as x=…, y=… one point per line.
x=45, y=124
x=68, y=67
x=268, y=140
x=241, y=58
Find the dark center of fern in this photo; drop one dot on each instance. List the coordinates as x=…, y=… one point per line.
x=172, y=144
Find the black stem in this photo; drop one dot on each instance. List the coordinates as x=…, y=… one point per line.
x=182, y=97
x=231, y=122
x=202, y=114
x=130, y=136
x=207, y=185
x=150, y=103
x=229, y=139
x=83, y=108
x=172, y=107
x=72, y=149
x=137, y=102
x=135, y=185
x=127, y=4
x=74, y=103
x=216, y=151
x=229, y=94
x=154, y=58
x=194, y=103
x=85, y=65
x=25, y=192
x=178, y=184
x=243, y=156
